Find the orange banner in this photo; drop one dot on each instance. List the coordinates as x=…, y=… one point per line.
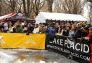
x=21, y=40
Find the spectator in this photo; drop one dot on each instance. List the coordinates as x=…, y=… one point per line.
x=43, y=28
x=66, y=31
x=25, y=29
x=89, y=37
x=85, y=31
x=57, y=27
x=30, y=28
x=78, y=32
x=51, y=32
x=1, y=26
x=10, y=27
x=36, y=29
x=60, y=30
x=19, y=29
x=72, y=31
x=5, y=26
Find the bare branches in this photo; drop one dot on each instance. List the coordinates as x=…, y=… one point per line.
x=72, y=6
x=50, y=2
x=37, y=5
x=33, y=7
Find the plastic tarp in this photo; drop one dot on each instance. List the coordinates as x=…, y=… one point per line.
x=19, y=16
x=43, y=16
x=7, y=16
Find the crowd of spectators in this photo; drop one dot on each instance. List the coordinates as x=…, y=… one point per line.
x=15, y=27
x=71, y=29
x=77, y=29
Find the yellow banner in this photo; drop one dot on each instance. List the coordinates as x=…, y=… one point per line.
x=21, y=40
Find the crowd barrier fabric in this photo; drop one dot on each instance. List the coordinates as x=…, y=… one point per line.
x=21, y=40
x=75, y=47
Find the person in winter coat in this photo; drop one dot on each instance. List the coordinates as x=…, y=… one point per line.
x=51, y=32
x=90, y=39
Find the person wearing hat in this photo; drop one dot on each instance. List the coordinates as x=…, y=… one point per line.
x=85, y=31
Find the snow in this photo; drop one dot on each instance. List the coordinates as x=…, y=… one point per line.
x=6, y=58
x=33, y=56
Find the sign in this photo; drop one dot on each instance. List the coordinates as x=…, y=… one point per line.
x=69, y=45
x=21, y=40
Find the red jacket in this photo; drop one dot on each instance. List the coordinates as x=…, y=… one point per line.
x=90, y=38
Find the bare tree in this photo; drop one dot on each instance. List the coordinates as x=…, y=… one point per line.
x=24, y=7
x=11, y=4
x=5, y=8
x=18, y=5
x=28, y=7
x=50, y=2
x=71, y=6
x=37, y=5
x=0, y=6
x=90, y=13
x=34, y=6
x=57, y=6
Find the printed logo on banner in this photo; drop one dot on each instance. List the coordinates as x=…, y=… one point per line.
x=55, y=44
x=69, y=45
x=78, y=49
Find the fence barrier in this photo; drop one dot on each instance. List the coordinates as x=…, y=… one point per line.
x=74, y=47
x=21, y=40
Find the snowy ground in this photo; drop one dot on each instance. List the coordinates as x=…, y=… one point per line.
x=31, y=56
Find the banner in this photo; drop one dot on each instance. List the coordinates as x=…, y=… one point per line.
x=21, y=40
x=74, y=47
